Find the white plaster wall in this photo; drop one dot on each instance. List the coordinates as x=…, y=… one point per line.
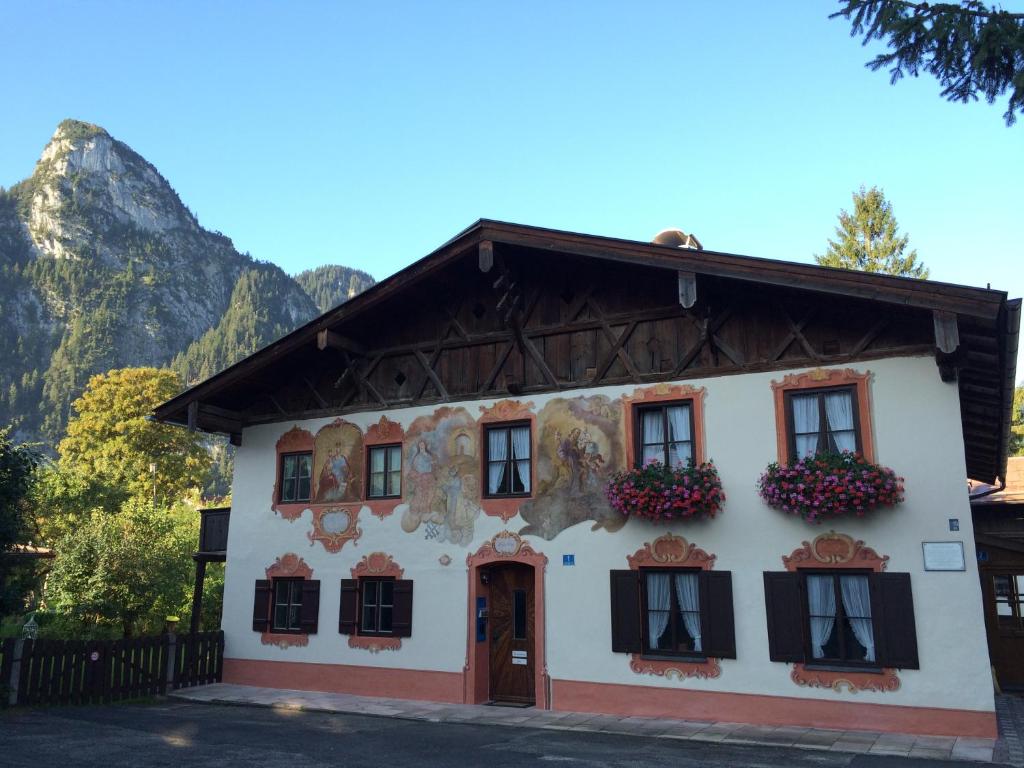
x=916, y=423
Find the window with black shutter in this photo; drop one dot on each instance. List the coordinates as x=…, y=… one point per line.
x=673, y=612
x=287, y=602
x=295, y=477
x=376, y=607
x=842, y=618
x=286, y=606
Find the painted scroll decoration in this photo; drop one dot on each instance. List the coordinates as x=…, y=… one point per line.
x=836, y=551
x=442, y=474
x=295, y=440
x=671, y=551
x=376, y=565
x=287, y=566
x=334, y=526
x=579, y=445
x=509, y=410
x=384, y=432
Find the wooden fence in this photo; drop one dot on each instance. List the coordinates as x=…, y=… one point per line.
x=39, y=672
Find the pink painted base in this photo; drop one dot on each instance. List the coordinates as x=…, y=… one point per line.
x=645, y=701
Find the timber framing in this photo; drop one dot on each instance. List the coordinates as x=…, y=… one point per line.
x=504, y=309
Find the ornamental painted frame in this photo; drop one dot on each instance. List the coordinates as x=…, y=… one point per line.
x=504, y=546
x=666, y=393
x=506, y=410
x=671, y=551
x=376, y=565
x=295, y=440
x=333, y=542
x=818, y=378
x=838, y=551
x=287, y=566
x=384, y=432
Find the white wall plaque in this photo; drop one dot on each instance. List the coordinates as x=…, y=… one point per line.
x=519, y=662
x=943, y=555
x=518, y=654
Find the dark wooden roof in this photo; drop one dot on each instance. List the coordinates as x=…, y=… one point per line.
x=987, y=322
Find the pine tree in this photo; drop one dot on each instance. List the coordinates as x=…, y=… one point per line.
x=868, y=239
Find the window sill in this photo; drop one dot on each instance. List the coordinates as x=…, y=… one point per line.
x=867, y=669
x=696, y=658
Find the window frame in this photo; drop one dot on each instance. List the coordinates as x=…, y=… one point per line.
x=823, y=431
x=274, y=582
x=663, y=406
x=647, y=651
x=833, y=663
x=386, y=447
x=509, y=462
x=281, y=478
x=361, y=585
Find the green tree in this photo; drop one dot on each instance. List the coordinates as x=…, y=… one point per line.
x=1017, y=423
x=17, y=471
x=970, y=47
x=867, y=239
x=128, y=570
x=111, y=439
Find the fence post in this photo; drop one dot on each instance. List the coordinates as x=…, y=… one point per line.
x=172, y=658
x=12, y=694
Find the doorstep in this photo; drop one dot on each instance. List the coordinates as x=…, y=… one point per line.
x=907, y=745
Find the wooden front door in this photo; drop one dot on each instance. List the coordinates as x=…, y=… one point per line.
x=1003, y=592
x=512, y=633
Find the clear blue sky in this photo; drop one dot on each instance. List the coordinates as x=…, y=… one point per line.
x=368, y=134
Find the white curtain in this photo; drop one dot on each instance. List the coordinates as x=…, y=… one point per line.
x=805, y=419
x=377, y=472
x=839, y=410
x=821, y=599
x=497, y=453
x=680, y=449
x=654, y=432
x=659, y=607
x=521, y=454
x=688, y=594
x=857, y=602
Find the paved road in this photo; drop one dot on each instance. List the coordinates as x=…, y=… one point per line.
x=173, y=733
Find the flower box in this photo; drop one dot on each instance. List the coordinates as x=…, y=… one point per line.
x=830, y=485
x=659, y=492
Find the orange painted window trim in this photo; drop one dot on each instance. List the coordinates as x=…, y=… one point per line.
x=511, y=412
x=295, y=440
x=660, y=394
x=822, y=378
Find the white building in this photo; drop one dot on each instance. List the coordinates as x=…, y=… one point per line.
x=419, y=504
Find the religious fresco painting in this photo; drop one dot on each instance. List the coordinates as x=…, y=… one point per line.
x=442, y=476
x=338, y=463
x=578, y=446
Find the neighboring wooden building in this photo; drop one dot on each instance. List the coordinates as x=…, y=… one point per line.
x=453, y=428
x=998, y=516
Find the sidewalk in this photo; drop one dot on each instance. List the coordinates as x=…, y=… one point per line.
x=896, y=744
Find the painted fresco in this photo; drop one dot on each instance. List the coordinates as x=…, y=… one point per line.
x=338, y=463
x=579, y=445
x=442, y=476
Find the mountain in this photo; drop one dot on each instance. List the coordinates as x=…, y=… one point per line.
x=102, y=266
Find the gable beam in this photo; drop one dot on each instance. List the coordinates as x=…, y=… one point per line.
x=328, y=339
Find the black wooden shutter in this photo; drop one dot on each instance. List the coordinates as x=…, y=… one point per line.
x=895, y=629
x=625, y=586
x=783, y=599
x=347, y=612
x=261, y=606
x=310, y=608
x=401, y=614
x=718, y=633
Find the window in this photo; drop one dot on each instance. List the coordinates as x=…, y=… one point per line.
x=507, y=458
x=841, y=618
x=519, y=614
x=840, y=624
x=822, y=421
x=378, y=597
x=1008, y=590
x=385, y=472
x=287, y=605
x=664, y=433
x=672, y=612
x=296, y=470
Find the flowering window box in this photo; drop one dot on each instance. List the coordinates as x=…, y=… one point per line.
x=829, y=485
x=659, y=492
